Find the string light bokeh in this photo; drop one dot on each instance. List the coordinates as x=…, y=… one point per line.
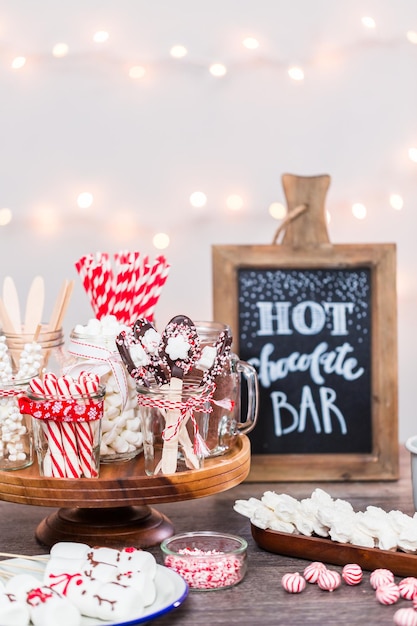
x=166, y=126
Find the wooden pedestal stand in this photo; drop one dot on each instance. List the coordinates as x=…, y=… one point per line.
x=113, y=510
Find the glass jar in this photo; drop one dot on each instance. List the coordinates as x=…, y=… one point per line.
x=169, y=421
x=52, y=348
x=222, y=426
x=16, y=450
x=66, y=432
x=121, y=437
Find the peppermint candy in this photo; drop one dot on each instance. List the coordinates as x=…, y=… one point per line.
x=293, y=583
x=329, y=580
x=312, y=571
x=352, y=574
x=408, y=588
x=405, y=617
x=388, y=594
x=381, y=577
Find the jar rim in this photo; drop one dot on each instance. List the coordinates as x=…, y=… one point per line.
x=40, y=397
x=241, y=543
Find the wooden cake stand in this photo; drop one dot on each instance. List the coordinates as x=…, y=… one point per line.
x=113, y=510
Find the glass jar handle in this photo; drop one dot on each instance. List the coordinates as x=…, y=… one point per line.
x=250, y=375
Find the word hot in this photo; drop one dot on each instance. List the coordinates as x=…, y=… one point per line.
x=331, y=356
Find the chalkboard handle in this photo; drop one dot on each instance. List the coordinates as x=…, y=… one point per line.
x=306, y=224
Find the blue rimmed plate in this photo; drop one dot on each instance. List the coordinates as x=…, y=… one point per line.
x=171, y=591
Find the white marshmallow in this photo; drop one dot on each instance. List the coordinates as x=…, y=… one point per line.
x=70, y=550
x=12, y=611
x=49, y=608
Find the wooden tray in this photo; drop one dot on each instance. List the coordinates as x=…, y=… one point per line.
x=328, y=551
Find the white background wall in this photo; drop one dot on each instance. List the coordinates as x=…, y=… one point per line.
x=141, y=147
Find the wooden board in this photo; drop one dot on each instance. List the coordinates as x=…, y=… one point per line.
x=328, y=551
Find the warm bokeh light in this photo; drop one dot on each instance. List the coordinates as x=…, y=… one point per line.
x=396, y=201
x=234, y=202
x=45, y=220
x=60, y=50
x=122, y=225
x=296, y=73
x=101, y=36
x=18, y=63
x=161, y=241
x=5, y=216
x=217, y=69
x=368, y=22
x=412, y=36
x=359, y=211
x=198, y=199
x=137, y=71
x=412, y=153
x=277, y=210
x=85, y=200
x=251, y=43
x=178, y=52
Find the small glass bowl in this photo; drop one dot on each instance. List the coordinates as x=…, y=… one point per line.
x=206, y=560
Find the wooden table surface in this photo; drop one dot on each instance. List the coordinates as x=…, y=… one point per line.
x=259, y=599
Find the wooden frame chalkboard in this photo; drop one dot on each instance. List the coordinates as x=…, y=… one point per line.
x=320, y=325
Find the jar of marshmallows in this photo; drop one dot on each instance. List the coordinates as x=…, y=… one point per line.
x=93, y=349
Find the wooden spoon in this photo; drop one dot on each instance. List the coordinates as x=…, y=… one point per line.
x=11, y=302
x=34, y=305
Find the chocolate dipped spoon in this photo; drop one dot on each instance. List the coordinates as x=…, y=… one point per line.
x=213, y=365
x=145, y=334
x=138, y=350
x=124, y=343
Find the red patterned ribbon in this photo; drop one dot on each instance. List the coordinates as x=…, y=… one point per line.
x=62, y=410
x=9, y=393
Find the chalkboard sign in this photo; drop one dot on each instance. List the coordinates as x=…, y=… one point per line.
x=319, y=326
x=308, y=333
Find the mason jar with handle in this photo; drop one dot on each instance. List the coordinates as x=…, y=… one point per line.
x=236, y=386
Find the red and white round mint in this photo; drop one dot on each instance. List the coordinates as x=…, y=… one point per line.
x=388, y=594
x=405, y=617
x=352, y=574
x=312, y=571
x=408, y=588
x=293, y=583
x=380, y=577
x=329, y=580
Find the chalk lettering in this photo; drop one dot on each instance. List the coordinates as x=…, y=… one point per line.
x=284, y=412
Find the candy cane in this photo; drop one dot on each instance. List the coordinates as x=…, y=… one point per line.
x=87, y=385
x=69, y=433
x=55, y=465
